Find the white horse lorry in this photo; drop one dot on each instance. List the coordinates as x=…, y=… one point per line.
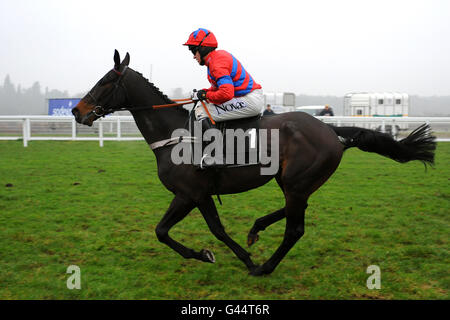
x=378, y=104
x=357, y=104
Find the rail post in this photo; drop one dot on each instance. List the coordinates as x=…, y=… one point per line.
x=25, y=132
x=74, y=129
x=100, y=132
x=119, y=129
x=28, y=129
x=394, y=129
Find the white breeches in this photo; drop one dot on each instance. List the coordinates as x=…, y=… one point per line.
x=241, y=107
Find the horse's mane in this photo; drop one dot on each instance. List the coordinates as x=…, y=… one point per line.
x=160, y=94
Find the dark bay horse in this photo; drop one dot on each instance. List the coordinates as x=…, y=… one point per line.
x=309, y=153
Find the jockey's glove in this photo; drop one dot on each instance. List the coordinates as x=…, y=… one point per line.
x=198, y=95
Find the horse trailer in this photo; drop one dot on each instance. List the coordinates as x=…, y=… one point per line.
x=383, y=104
x=378, y=104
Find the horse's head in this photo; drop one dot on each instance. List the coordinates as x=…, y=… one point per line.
x=106, y=96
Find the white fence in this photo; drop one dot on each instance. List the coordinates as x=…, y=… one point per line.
x=95, y=133
x=112, y=128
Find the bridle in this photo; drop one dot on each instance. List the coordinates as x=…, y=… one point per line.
x=101, y=111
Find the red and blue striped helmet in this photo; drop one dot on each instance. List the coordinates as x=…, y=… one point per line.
x=202, y=37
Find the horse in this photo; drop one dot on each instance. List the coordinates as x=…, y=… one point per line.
x=309, y=153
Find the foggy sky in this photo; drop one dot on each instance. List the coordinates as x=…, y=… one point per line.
x=305, y=47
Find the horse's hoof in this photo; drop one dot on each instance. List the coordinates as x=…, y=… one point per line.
x=208, y=256
x=252, y=238
x=258, y=271
x=252, y=268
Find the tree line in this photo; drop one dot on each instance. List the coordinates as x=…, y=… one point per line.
x=15, y=100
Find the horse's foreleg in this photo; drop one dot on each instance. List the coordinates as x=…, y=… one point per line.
x=177, y=211
x=209, y=212
x=262, y=223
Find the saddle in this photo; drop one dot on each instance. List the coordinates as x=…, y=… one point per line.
x=238, y=145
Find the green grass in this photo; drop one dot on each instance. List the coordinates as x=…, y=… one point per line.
x=74, y=203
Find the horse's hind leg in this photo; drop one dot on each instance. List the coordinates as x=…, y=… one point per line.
x=177, y=211
x=299, y=185
x=209, y=212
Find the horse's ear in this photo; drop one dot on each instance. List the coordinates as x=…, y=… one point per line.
x=126, y=60
x=116, y=60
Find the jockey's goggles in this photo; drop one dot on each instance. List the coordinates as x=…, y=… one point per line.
x=193, y=49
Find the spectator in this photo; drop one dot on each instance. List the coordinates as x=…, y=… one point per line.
x=327, y=111
x=268, y=111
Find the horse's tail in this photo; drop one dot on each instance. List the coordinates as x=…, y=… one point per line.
x=419, y=145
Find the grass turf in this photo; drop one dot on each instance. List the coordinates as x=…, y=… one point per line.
x=73, y=203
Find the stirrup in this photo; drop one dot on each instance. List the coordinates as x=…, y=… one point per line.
x=203, y=164
x=206, y=124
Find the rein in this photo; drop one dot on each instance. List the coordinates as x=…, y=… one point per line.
x=99, y=111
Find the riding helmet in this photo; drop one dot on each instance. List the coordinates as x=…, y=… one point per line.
x=203, y=41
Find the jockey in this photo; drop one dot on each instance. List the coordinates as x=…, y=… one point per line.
x=233, y=93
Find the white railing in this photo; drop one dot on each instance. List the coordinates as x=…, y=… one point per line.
x=117, y=121
x=439, y=125
x=26, y=122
